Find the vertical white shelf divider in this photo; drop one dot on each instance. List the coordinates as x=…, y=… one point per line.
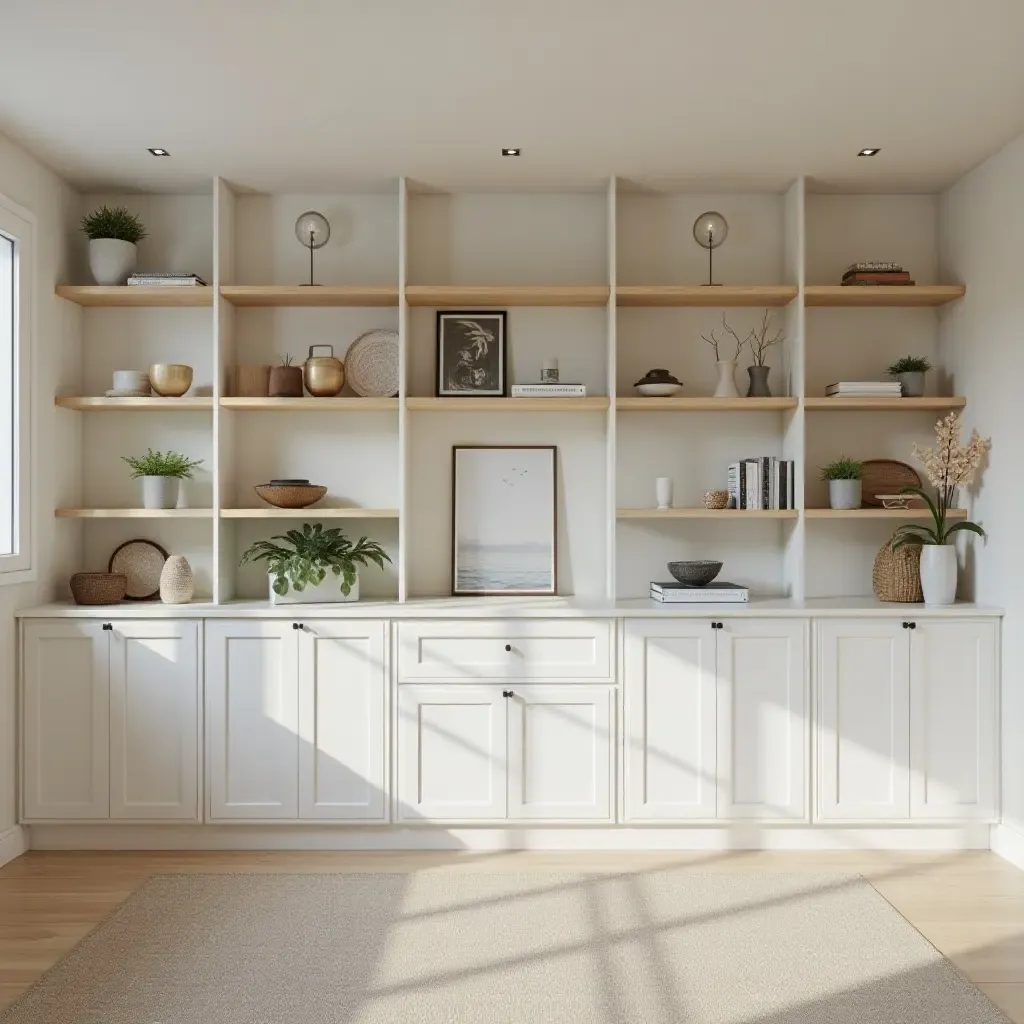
x=611, y=455
x=403, y=388
x=224, y=456
x=794, y=439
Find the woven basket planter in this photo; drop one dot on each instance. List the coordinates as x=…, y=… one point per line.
x=896, y=575
x=98, y=587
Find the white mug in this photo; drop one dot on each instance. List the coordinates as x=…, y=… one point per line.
x=663, y=491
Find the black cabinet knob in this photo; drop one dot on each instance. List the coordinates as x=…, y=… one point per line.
x=906, y=625
x=296, y=625
x=507, y=693
x=508, y=647
x=913, y=625
x=108, y=626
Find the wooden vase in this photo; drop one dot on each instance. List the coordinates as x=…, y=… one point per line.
x=286, y=382
x=252, y=381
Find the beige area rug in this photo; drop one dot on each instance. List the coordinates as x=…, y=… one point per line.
x=662, y=947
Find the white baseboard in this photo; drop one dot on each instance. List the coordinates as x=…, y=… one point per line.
x=1009, y=844
x=256, y=837
x=13, y=843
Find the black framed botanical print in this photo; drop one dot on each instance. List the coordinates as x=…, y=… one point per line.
x=471, y=356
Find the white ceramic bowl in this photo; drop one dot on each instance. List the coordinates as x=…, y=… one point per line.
x=659, y=390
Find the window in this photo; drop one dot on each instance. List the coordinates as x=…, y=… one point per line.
x=16, y=236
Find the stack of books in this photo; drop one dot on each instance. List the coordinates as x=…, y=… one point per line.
x=159, y=280
x=711, y=593
x=864, y=389
x=763, y=483
x=876, y=272
x=549, y=391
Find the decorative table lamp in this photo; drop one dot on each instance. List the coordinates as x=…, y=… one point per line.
x=312, y=230
x=710, y=230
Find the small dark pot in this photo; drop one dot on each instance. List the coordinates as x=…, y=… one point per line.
x=758, y=382
x=286, y=382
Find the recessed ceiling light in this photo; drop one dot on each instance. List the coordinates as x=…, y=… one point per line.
x=511, y=152
x=870, y=151
x=157, y=151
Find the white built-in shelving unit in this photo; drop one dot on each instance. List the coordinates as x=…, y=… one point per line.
x=607, y=281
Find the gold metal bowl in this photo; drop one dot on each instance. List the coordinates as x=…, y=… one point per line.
x=170, y=380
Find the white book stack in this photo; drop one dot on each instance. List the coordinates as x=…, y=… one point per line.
x=711, y=593
x=549, y=391
x=864, y=389
x=168, y=280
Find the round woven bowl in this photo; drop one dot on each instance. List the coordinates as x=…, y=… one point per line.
x=716, y=499
x=695, y=574
x=170, y=380
x=98, y=587
x=290, y=496
x=896, y=575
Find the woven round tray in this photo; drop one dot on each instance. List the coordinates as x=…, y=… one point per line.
x=885, y=476
x=896, y=575
x=371, y=364
x=141, y=561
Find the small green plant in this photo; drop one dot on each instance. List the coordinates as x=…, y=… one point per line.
x=286, y=359
x=304, y=557
x=161, y=464
x=114, y=223
x=842, y=469
x=909, y=364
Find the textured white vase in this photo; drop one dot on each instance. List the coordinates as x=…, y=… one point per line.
x=844, y=493
x=160, y=491
x=177, y=585
x=938, y=573
x=111, y=260
x=663, y=491
x=726, y=387
x=328, y=592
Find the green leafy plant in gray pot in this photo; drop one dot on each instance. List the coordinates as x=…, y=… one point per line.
x=910, y=372
x=114, y=234
x=843, y=476
x=314, y=565
x=161, y=474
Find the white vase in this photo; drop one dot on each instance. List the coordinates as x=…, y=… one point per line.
x=177, y=584
x=726, y=387
x=160, y=491
x=111, y=260
x=844, y=493
x=663, y=491
x=938, y=573
x=328, y=592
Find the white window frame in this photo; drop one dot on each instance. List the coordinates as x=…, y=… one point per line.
x=20, y=224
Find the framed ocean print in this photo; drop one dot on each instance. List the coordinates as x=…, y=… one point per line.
x=504, y=520
x=471, y=354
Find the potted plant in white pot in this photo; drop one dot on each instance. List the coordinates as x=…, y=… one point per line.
x=844, y=489
x=161, y=474
x=314, y=565
x=113, y=236
x=910, y=372
x=948, y=466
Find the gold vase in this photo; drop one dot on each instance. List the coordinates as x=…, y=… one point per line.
x=324, y=376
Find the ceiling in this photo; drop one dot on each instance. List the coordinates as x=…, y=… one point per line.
x=309, y=94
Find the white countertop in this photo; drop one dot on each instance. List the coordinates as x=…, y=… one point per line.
x=508, y=608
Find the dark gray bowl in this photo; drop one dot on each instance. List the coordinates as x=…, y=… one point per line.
x=695, y=574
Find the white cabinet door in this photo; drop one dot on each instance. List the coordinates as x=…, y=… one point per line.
x=154, y=719
x=342, y=720
x=252, y=712
x=953, y=729
x=863, y=720
x=65, y=696
x=451, y=752
x=559, y=747
x=670, y=720
x=763, y=727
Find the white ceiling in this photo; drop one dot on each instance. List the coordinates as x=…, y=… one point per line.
x=302, y=94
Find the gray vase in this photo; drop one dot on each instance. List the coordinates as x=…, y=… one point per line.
x=160, y=491
x=912, y=384
x=758, y=382
x=844, y=493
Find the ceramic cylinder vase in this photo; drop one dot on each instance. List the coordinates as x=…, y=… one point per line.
x=160, y=491
x=663, y=491
x=111, y=260
x=938, y=573
x=911, y=384
x=177, y=584
x=726, y=387
x=758, y=382
x=286, y=382
x=844, y=494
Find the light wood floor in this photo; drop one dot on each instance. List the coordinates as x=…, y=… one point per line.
x=969, y=905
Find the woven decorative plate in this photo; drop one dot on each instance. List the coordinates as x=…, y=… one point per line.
x=885, y=476
x=141, y=561
x=371, y=364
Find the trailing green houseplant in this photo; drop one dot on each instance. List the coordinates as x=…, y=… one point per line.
x=843, y=476
x=113, y=235
x=161, y=474
x=910, y=371
x=305, y=557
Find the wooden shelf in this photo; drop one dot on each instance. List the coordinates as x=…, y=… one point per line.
x=884, y=404
x=155, y=404
x=705, y=513
x=305, y=295
x=311, y=404
x=134, y=513
x=471, y=296
x=309, y=513
x=878, y=513
x=138, y=295
x=721, y=296
x=640, y=404
x=597, y=403
x=882, y=295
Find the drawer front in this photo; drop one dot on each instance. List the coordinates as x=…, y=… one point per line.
x=534, y=649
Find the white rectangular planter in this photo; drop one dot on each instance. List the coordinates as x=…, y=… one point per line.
x=328, y=592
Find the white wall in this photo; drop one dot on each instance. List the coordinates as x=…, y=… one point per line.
x=982, y=243
x=57, y=467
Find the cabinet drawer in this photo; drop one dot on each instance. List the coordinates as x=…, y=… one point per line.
x=537, y=649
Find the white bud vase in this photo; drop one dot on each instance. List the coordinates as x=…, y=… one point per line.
x=726, y=379
x=177, y=584
x=938, y=573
